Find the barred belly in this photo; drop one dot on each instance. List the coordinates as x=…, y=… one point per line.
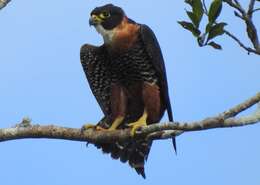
x=131, y=66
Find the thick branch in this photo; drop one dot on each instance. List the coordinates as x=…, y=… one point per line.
x=155, y=131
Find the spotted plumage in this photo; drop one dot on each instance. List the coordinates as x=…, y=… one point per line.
x=128, y=78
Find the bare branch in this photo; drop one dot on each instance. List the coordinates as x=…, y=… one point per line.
x=247, y=16
x=205, y=7
x=238, y=15
x=239, y=7
x=235, y=5
x=154, y=131
x=255, y=10
x=252, y=34
x=241, y=107
x=248, y=49
x=251, y=8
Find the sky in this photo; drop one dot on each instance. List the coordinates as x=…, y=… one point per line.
x=41, y=77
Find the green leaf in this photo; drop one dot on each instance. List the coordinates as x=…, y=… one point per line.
x=215, y=45
x=189, y=2
x=214, y=10
x=209, y=25
x=189, y=26
x=197, y=9
x=216, y=30
x=193, y=18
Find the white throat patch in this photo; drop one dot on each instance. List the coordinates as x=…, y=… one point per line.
x=107, y=34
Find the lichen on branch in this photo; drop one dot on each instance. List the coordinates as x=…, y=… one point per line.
x=227, y=119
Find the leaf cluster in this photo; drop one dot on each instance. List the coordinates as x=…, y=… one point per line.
x=212, y=29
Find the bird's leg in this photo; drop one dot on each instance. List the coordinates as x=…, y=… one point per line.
x=118, y=109
x=118, y=105
x=142, y=121
x=116, y=123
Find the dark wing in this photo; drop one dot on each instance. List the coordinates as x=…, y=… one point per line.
x=154, y=51
x=93, y=60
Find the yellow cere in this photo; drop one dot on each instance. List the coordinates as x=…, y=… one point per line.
x=96, y=18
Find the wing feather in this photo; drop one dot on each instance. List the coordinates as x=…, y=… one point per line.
x=93, y=60
x=154, y=51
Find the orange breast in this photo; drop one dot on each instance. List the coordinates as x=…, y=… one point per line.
x=125, y=35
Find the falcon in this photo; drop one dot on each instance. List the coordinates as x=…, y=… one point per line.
x=127, y=76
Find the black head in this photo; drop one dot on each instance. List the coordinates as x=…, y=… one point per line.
x=109, y=16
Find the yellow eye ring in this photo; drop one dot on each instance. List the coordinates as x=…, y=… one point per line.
x=104, y=15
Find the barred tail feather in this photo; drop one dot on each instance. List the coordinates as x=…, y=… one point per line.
x=135, y=152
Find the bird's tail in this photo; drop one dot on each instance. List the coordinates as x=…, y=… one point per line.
x=133, y=152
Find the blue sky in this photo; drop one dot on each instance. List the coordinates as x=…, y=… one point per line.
x=41, y=77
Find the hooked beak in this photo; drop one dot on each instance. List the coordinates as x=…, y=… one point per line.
x=94, y=20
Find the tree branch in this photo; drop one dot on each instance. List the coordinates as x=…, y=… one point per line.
x=247, y=17
x=248, y=49
x=255, y=10
x=205, y=7
x=251, y=29
x=156, y=131
x=251, y=8
x=236, y=5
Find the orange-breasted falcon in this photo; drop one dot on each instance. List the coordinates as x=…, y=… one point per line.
x=128, y=78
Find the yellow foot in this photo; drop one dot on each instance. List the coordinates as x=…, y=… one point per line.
x=113, y=126
x=135, y=126
x=90, y=126
x=138, y=124
x=116, y=123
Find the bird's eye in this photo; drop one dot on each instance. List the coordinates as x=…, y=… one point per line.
x=104, y=15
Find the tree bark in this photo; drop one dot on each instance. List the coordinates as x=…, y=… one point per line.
x=152, y=132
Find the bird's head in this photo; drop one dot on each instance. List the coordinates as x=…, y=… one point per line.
x=105, y=19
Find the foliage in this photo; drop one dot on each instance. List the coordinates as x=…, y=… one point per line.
x=212, y=29
x=206, y=34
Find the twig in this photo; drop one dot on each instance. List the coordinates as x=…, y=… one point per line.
x=250, y=27
x=248, y=49
x=239, y=7
x=235, y=5
x=255, y=10
x=154, y=131
x=238, y=15
x=205, y=7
